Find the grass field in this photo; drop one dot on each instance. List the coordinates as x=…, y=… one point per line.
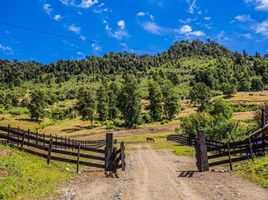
x=24, y=176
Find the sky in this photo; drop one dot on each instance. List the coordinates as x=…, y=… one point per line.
x=49, y=30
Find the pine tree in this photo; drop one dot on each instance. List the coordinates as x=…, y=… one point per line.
x=37, y=104
x=113, y=100
x=155, y=98
x=102, y=105
x=87, y=104
x=130, y=102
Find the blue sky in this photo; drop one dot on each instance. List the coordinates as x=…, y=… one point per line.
x=95, y=27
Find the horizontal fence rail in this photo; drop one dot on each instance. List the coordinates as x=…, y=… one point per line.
x=86, y=153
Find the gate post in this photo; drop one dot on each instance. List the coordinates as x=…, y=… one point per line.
x=108, y=150
x=201, y=152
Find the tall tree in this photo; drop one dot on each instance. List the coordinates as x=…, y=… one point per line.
x=37, y=104
x=87, y=104
x=130, y=101
x=102, y=105
x=171, y=104
x=113, y=94
x=200, y=94
x=155, y=98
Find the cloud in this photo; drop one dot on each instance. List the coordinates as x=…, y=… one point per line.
x=141, y=14
x=207, y=18
x=82, y=4
x=47, y=8
x=261, y=28
x=6, y=49
x=246, y=35
x=243, y=18
x=58, y=18
x=101, y=8
x=192, y=6
x=259, y=4
x=188, y=31
x=118, y=34
x=75, y=29
x=154, y=28
x=96, y=46
x=121, y=24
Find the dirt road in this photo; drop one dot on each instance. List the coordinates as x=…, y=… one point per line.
x=157, y=175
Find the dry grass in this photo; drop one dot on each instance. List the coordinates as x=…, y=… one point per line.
x=250, y=97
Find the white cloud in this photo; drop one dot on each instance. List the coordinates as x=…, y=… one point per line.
x=207, y=18
x=58, y=18
x=96, y=47
x=79, y=13
x=6, y=49
x=188, y=31
x=192, y=6
x=118, y=34
x=153, y=28
x=82, y=4
x=87, y=3
x=101, y=9
x=243, y=18
x=246, y=35
x=261, y=28
x=83, y=38
x=121, y=24
x=141, y=14
x=47, y=8
x=259, y=4
x=75, y=29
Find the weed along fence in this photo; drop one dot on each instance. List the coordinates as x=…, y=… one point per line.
x=102, y=154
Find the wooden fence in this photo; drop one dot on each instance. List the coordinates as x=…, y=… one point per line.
x=86, y=153
x=219, y=153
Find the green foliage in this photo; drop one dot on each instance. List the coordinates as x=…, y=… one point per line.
x=257, y=84
x=38, y=104
x=171, y=105
x=25, y=176
x=217, y=122
x=102, y=103
x=229, y=89
x=155, y=98
x=200, y=94
x=87, y=103
x=113, y=94
x=130, y=102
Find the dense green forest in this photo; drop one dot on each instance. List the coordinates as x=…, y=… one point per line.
x=129, y=89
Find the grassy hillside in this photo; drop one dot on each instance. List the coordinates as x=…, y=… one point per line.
x=23, y=176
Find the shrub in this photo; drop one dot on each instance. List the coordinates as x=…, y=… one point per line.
x=18, y=111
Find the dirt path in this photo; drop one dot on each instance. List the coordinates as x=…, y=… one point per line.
x=157, y=175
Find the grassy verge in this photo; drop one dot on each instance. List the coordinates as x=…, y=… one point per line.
x=24, y=176
x=162, y=143
x=255, y=171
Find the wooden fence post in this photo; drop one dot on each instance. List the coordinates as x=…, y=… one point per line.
x=49, y=151
x=122, y=154
x=78, y=157
x=263, y=118
x=44, y=143
x=250, y=148
x=8, y=128
x=201, y=152
x=28, y=135
x=108, y=150
x=229, y=156
x=36, y=138
x=22, y=141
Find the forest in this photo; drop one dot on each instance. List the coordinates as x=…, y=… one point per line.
x=128, y=90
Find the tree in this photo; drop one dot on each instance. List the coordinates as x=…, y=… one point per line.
x=113, y=94
x=171, y=105
x=130, y=101
x=37, y=104
x=102, y=105
x=200, y=94
x=87, y=104
x=220, y=108
x=257, y=84
x=155, y=98
x=229, y=89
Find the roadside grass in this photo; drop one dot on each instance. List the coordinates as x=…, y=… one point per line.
x=162, y=143
x=24, y=176
x=256, y=171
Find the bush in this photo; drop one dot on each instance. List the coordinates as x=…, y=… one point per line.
x=59, y=113
x=146, y=118
x=18, y=111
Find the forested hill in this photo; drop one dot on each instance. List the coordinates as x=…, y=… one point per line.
x=194, y=61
